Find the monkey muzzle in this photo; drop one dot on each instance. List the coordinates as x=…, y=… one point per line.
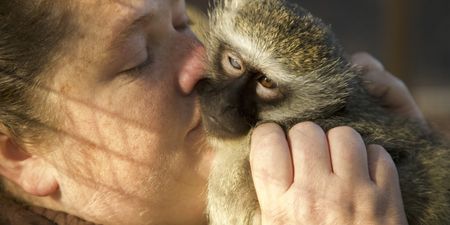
x=226, y=111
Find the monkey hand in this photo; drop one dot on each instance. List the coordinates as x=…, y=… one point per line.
x=392, y=92
x=313, y=177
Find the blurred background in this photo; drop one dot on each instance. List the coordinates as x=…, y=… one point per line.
x=410, y=37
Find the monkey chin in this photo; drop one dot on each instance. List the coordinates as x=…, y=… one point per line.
x=232, y=199
x=219, y=129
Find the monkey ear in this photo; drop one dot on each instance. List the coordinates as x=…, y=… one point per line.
x=32, y=173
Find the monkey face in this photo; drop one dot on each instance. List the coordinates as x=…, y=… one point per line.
x=231, y=103
x=269, y=62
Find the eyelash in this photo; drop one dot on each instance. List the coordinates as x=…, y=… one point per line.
x=187, y=24
x=137, y=70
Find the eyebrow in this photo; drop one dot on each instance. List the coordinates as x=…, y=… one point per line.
x=129, y=30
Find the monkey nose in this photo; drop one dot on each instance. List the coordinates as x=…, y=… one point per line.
x=193, y=69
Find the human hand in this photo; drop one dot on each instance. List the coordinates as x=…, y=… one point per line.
x=313, y=177
x=392, y=92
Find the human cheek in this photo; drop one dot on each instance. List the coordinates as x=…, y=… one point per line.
x=152, y=110
x=137, y=143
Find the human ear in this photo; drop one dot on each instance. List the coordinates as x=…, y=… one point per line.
x=31, y=172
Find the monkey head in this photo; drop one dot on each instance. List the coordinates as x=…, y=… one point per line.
x=269, y=60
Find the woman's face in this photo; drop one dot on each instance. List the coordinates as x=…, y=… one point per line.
x=131, y=148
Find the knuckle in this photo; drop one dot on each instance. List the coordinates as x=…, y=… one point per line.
x=305, y=125
x=371, y=201
x=397, y=83
x=369, y=198
x=263, y=174
x=365, y=59
x=276, y=216
x=269, y=137
x=265, y=128
x=370, y=190
x=304, y=209
x=362, y=54
x=382, y=156
x=300, y=128
x=375, y=147
x=384, y=159
x=374, y=151
x=266, y=131
x=342, y=131
x=388, y=163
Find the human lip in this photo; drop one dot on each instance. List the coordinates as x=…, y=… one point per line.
x=196, y=131
x=196, y=117
x=197, y=126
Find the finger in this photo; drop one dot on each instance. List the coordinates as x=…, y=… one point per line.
x=382, y=169
x=384, y=85
x=366, y=61
x=348, y=153
x=309, y=148
x=393, y=93
x=270, y=162
x=383, y=173
x=381, y=84
x=378, y=81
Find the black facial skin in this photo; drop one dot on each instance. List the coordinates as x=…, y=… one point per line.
x=230, y=106
x=234, y=109
x=228, y=109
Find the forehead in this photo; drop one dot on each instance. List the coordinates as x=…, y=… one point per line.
x=112, y=13
x=121, y=6
x=106, y=20
x=97, y=25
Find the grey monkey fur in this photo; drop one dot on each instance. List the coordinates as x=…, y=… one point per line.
x=315, y=82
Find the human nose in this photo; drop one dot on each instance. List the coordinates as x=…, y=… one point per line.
x=192, y=69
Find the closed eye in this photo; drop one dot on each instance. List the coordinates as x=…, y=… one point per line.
x=137, y=70
x=184, y=24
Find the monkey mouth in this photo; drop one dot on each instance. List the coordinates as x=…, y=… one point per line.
x=216, y=127
x=222, y=111
x=214, y=122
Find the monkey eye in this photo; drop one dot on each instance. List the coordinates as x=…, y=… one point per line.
x=267, y=83
x=232, y=64
x=267, y=89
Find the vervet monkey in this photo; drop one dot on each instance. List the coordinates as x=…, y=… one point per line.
x=270, y=60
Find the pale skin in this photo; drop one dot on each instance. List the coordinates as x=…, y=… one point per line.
x=130, y=148
x=130, y=145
